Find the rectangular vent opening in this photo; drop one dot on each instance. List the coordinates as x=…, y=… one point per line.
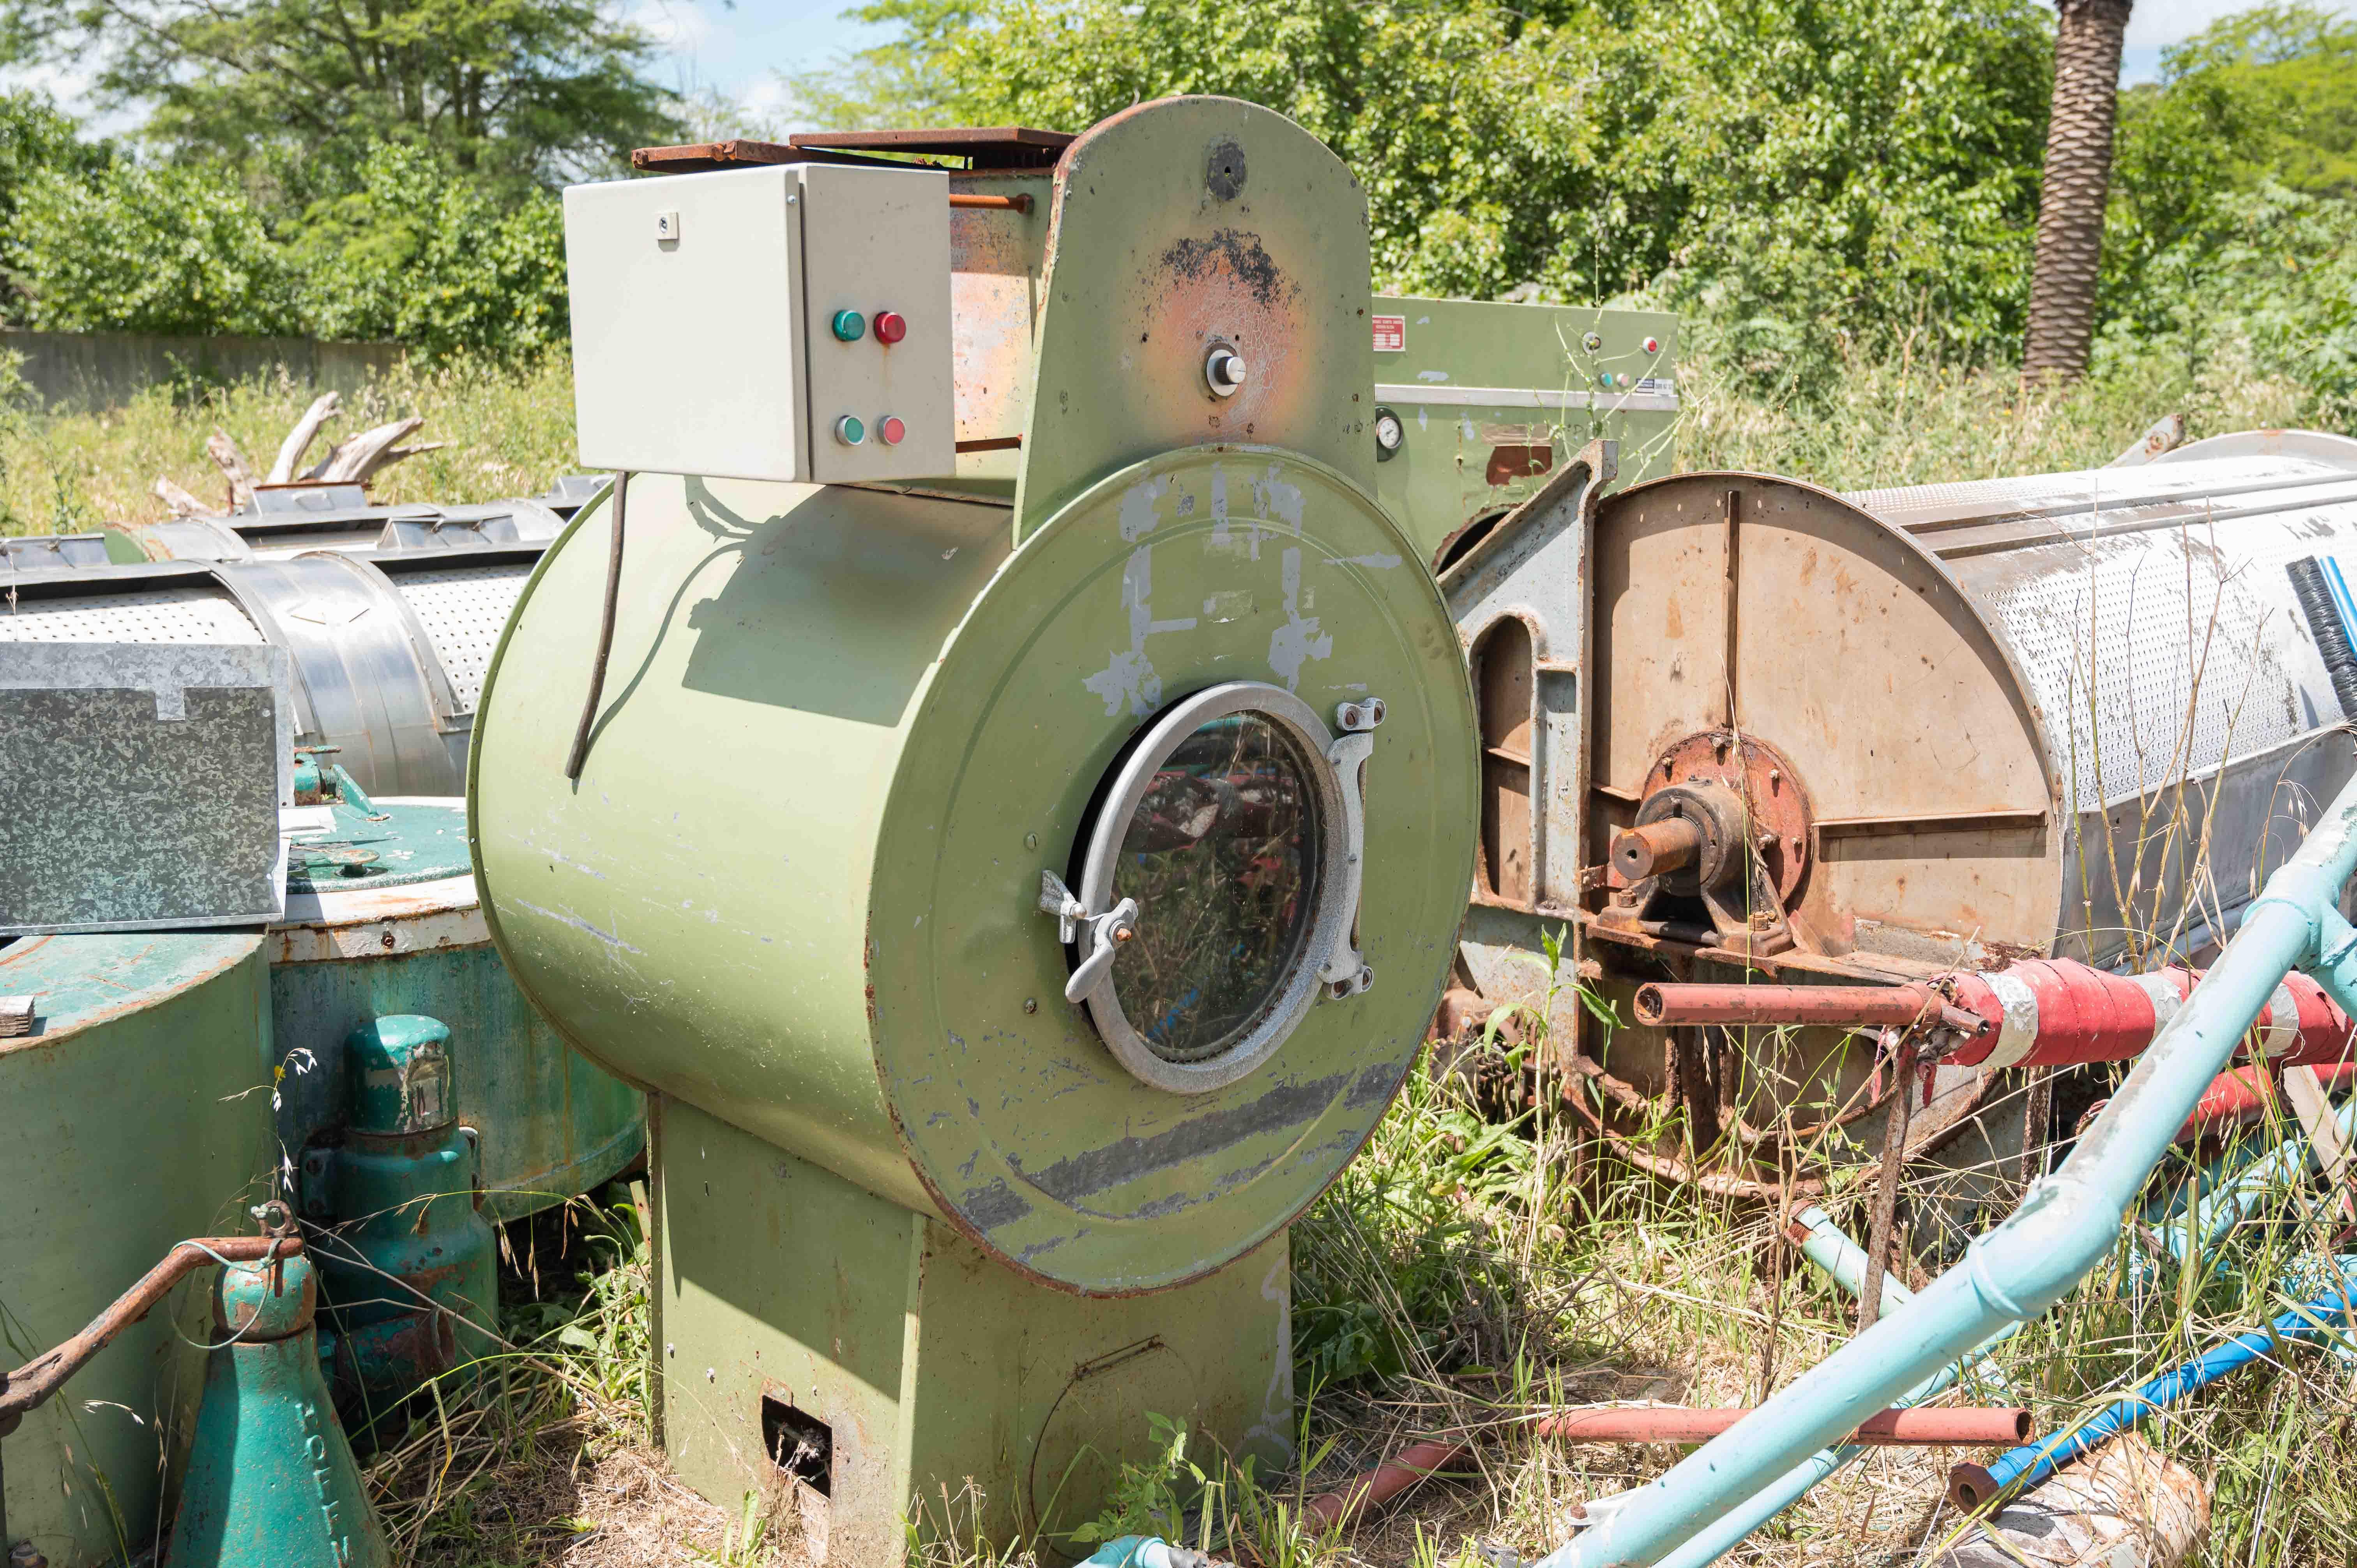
x=799, y=1442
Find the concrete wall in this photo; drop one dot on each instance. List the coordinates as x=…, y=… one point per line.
x=103, y=369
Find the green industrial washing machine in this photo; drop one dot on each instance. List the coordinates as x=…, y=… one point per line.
x=1022, y=873
x=138, y=1112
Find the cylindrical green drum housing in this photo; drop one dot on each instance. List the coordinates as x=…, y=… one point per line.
x=137, y=1113
x=382, y=918
x=874, y=789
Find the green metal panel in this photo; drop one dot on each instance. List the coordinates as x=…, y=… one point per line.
x=927, y=1364
x=830, y=934
x=1179, y=223
x=407, y=937
x=1465, y=457
x=138, y=1113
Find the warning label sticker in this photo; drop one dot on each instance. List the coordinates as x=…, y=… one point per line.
x=1391, y=334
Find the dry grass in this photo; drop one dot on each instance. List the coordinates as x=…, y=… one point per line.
x=1473, y=1265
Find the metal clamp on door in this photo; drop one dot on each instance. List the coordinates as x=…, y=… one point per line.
x=1094, y=934
x=1346, y=972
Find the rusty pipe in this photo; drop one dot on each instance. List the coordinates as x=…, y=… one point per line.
x=1380, y=1485
x=1671, y=845
x=1850, y=1006
x=992, y=203
x=1899, y=1427
x=30, y=1385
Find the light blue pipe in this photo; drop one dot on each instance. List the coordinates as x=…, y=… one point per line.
x=1830, y=1248
x=2032, y=1462
x=2068, y=1223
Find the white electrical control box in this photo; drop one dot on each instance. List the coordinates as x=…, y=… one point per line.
x=785, y=322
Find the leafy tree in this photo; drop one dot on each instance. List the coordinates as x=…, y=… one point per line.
x=1795, y=170
x=420, y=255
x=135, y=249
x=513, y=92
x=33, y=137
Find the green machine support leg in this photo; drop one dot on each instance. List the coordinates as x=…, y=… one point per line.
x=271, y=1480
x=808, y=1329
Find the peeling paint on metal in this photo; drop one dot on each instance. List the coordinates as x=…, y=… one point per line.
x=1299, y=641
x=1125, y=1159
x=1138, y=513
x=1129, y=678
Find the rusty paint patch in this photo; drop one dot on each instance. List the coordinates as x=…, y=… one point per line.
x=1236, y=253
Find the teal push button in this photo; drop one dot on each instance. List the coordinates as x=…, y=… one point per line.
x=850, y=326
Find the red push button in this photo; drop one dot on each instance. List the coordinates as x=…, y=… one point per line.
x=890, y=327
x=891, y=430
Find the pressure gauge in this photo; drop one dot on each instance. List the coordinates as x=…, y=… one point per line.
x=1389, y=434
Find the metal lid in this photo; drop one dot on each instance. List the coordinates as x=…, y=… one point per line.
x=414, y=841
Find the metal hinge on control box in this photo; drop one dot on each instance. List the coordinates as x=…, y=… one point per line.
x=783, y=322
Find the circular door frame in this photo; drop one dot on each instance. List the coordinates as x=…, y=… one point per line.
x=1330, y=924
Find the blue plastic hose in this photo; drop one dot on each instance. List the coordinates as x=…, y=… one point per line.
x=1973, y=1485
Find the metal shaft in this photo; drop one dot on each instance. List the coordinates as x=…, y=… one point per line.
x=1838, y=1006
x=1671, y=845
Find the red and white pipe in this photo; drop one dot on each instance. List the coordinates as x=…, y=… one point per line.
x=2034, y=1013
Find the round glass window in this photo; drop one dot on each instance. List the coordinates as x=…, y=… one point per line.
x=1223, y=855
x=1214, y=860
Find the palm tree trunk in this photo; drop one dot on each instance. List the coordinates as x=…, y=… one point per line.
x=2077, y=181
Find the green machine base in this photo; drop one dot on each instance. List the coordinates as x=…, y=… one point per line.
x=810, y=1334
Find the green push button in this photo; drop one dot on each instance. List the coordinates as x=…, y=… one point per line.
x=851, y=430
x=850, y=326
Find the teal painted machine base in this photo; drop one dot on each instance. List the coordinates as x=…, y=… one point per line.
x=898, y=1372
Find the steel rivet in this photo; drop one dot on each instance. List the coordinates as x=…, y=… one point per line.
x=1031, y=1004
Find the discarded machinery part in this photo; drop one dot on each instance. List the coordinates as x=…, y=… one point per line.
x=1224, y=370
x=2321, y=1320
x=579, y=756
x=551, y=1124
x=25, y=1390
x=1384, y=1485
x=1828, y=1248
x=2034, y=1013
x=2067, y=1224
x=119, y=1014
x=1899, y=1427
x=2127, y=1504
x=407, y=1263
x=2011, y=596
x=190, y=748
x=996, y=203
x=2328, y=625
x=388, y=650
x=1239, y=746
x=271, y=1478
